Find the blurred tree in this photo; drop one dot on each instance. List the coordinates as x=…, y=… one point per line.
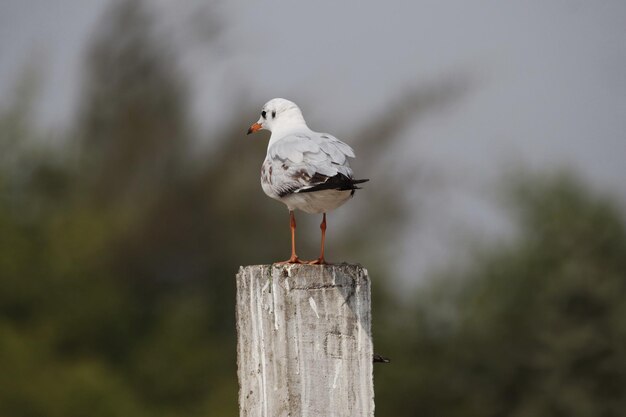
x=133, y=126
x=536, y=328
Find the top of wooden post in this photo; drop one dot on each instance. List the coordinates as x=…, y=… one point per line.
x=311, y=272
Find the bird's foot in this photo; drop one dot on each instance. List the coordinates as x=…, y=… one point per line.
x=318, y=261
x=293, y=260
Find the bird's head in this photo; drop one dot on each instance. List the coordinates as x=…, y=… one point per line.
x=278, y=113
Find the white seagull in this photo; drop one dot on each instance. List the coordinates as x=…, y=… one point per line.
x=303, y=169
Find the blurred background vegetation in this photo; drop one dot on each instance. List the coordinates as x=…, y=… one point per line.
x=119, y=243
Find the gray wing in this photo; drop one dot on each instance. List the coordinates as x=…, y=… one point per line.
x=304, y=161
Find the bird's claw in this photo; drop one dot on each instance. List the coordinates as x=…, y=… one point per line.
x=292, y=260
x=318, y=261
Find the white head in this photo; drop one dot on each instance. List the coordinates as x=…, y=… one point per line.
x=278, y=113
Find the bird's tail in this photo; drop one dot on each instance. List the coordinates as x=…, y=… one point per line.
x=354, y=182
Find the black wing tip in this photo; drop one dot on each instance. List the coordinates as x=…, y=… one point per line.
x=338, y=182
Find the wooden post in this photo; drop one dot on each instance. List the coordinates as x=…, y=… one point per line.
x=304, y=344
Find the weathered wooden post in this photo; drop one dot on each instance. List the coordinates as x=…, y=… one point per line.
x=304, y=344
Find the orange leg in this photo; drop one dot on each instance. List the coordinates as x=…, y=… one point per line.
x=294, y=258
x=321, y=260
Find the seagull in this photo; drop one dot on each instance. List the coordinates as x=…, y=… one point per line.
x=303, y=169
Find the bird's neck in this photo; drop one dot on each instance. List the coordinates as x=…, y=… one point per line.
x=287, y=127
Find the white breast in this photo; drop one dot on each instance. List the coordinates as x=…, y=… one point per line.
x=317, y=202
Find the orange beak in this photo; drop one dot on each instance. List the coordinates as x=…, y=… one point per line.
x=255, y=127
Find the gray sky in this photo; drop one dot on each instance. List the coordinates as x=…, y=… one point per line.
x=550, y=82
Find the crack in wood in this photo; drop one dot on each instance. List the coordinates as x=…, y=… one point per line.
x=321, y=287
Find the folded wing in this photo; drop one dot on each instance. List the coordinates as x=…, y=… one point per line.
x=310, y=162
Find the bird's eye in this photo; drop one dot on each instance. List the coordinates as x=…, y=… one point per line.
x=263, y=114
x=273, y=114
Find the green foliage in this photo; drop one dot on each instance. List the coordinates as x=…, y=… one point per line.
x=535, y=328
